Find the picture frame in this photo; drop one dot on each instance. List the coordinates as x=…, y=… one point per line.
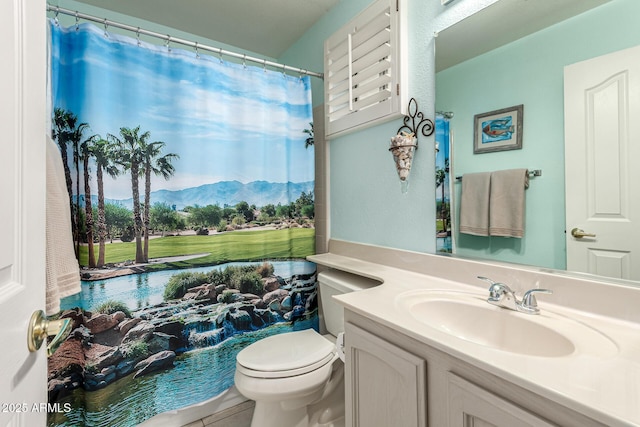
x=498, y=130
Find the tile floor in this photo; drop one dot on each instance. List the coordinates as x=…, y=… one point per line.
x=237, y=416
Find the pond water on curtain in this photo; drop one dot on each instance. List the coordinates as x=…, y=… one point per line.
x=198, y=375
x=141, y=290
x=203, y=336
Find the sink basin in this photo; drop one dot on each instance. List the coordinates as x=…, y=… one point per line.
x=471, y=318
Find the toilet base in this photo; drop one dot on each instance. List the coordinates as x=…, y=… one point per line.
x=328, y=412
x=271, y=414
x=324, y=409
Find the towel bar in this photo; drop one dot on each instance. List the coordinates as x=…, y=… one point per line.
x=534, y=172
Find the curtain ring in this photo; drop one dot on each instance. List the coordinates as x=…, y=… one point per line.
x=138, y=36
x=264, y=66
x=167, y=43
x=55, y=16
x=244, y=61
x=105, y=28
x=220, y=56
x=77, y=21
x=197, y=53
x=283, y=69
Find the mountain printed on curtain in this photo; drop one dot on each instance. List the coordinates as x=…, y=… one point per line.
x=191, y=190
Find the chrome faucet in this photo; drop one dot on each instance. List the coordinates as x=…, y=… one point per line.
x=502, y=296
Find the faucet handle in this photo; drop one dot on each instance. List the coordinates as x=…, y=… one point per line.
x=529, y=301
x=496, y=290
x=486, y=279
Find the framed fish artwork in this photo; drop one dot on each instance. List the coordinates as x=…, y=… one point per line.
x=498, y=130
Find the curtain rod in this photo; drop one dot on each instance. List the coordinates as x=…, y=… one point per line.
x=169, y=39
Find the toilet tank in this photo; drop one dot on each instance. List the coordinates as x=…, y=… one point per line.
x=335, y=282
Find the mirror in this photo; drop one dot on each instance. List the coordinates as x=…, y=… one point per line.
x=510, y=53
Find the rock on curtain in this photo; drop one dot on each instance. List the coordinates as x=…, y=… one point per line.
x=191, y=192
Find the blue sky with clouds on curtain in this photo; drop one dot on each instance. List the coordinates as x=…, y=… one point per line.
x=196, y=104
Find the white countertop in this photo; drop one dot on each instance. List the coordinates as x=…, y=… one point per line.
x=604, y=387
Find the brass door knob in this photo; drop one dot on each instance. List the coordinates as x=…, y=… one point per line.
x=579, y=234
x=40, y=328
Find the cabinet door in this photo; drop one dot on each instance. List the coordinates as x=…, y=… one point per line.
x=471, y=406
x=385, y=385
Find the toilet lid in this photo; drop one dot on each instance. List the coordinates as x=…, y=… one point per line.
x=286, y=352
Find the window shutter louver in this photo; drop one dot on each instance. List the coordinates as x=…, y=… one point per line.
x=362, y=70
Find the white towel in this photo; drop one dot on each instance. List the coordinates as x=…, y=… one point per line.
x=474, y=204
x=507, y=202
x=63, y=271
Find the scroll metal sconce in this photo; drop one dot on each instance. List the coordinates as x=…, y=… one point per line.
x=404, y=144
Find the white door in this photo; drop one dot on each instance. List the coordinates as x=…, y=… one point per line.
x=22, y=209
x=602, y=153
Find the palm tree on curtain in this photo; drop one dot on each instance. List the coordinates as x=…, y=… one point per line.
x=75, y=136
x=441, y=177
x=60, y=133
x=85, y=153
x=103, y=153
x=309, y=141
x=67, y=131
x=160, y=166
x=130, y=157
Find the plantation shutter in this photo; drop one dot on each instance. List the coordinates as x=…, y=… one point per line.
x=362, y=68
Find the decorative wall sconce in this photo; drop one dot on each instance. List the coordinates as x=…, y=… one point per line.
x=404, y=144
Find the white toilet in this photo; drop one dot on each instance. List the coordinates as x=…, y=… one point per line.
x=297, y=378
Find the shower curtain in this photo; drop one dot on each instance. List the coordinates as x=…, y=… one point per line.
x=443, y=189
x=191, y=190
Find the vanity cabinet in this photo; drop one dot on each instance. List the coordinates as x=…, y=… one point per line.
x=394, y=380
x=472, y=406
x=387, y=384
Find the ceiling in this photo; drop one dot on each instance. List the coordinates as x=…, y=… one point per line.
x=501, y=23
x=266, y=27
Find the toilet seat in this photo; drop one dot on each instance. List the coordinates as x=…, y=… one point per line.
x=286, y=355
x=287, y=373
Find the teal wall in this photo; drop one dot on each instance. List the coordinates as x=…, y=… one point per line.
x=530, y=72
x=366, y=203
